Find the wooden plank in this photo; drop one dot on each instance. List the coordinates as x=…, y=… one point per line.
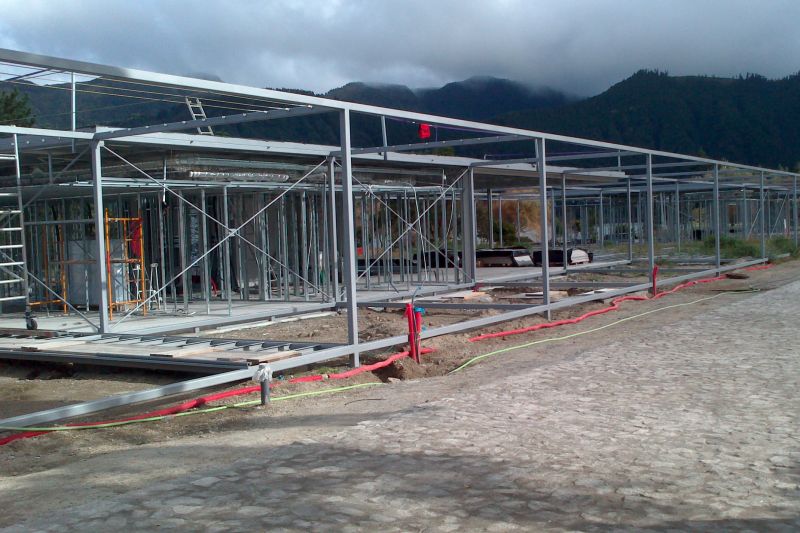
x=271, y=357
x=46, y=345
x=254, y=357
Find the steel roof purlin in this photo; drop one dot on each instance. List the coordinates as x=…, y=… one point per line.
x=182, y=82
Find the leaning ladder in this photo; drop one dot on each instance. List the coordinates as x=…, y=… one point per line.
x=198, y=113
x=13, y=252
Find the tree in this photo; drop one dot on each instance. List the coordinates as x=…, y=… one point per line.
x=15, y=109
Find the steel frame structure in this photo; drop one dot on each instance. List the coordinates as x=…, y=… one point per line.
x=347, y=207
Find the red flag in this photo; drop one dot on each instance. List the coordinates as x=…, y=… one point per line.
x=424, y=131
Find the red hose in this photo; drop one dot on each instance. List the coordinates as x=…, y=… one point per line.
x=615, y=305
x=760, y=267
x=203, y=400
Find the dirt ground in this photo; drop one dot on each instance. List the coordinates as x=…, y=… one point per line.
x=27, y=387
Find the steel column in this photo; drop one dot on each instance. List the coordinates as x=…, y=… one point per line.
x=469, y=231
x=334, y=224
x=601, y=236
x=794, y=210
x=491, y=217
x=678, y=216
x=100, y=243
x=630, y=223
x=761, y=217
x=542, y=167
x=226, y=250
x=350, y=274
x=565, y=222
x=651, y=251
x=715, y=204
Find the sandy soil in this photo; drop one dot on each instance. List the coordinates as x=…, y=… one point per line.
x=26, y=464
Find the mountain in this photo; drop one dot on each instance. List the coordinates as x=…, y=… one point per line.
x=748, y=119
x=106, y=102
x=477, y=98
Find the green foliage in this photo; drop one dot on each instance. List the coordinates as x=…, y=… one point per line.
x=748, y=119
x=15, y=109
x=731, y=248
x=781, y=245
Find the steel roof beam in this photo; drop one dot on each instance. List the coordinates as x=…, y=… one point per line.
x=225, y=120
x=531, y=160
x=92, y=69
x=432, y=145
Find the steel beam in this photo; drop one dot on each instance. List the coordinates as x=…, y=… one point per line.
x=433, y=144
x=86, y=408
x=225, y=120
x=92, y=69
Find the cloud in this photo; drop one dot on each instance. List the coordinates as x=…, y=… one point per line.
x=581, y=46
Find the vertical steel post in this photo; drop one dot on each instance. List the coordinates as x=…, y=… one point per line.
x=601, y=238
x=630, y=223
x=26, y=267
x=678, y=215
x=491, y=217
x=565, y=222
x=761, y=217
x=73, y=107
x=334, y=224
x=226, y=250
x=794, y=211
x=304, y=242
x=542, y=164
x=500, y=218
x=553, y=215
x=99, y=232
x=746, y=229
x=384, y=137
x=651, y=250
x=469, y=231
x=204, y=237
x=349, y=235
x=186, y=278
x=162, y=204
x=717, y=224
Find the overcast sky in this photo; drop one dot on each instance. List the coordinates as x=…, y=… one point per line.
x=580, y=46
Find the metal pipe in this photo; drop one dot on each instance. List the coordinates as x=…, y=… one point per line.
x=94, y=406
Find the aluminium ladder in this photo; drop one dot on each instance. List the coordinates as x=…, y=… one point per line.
x=198, y=113
x=13, y=253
